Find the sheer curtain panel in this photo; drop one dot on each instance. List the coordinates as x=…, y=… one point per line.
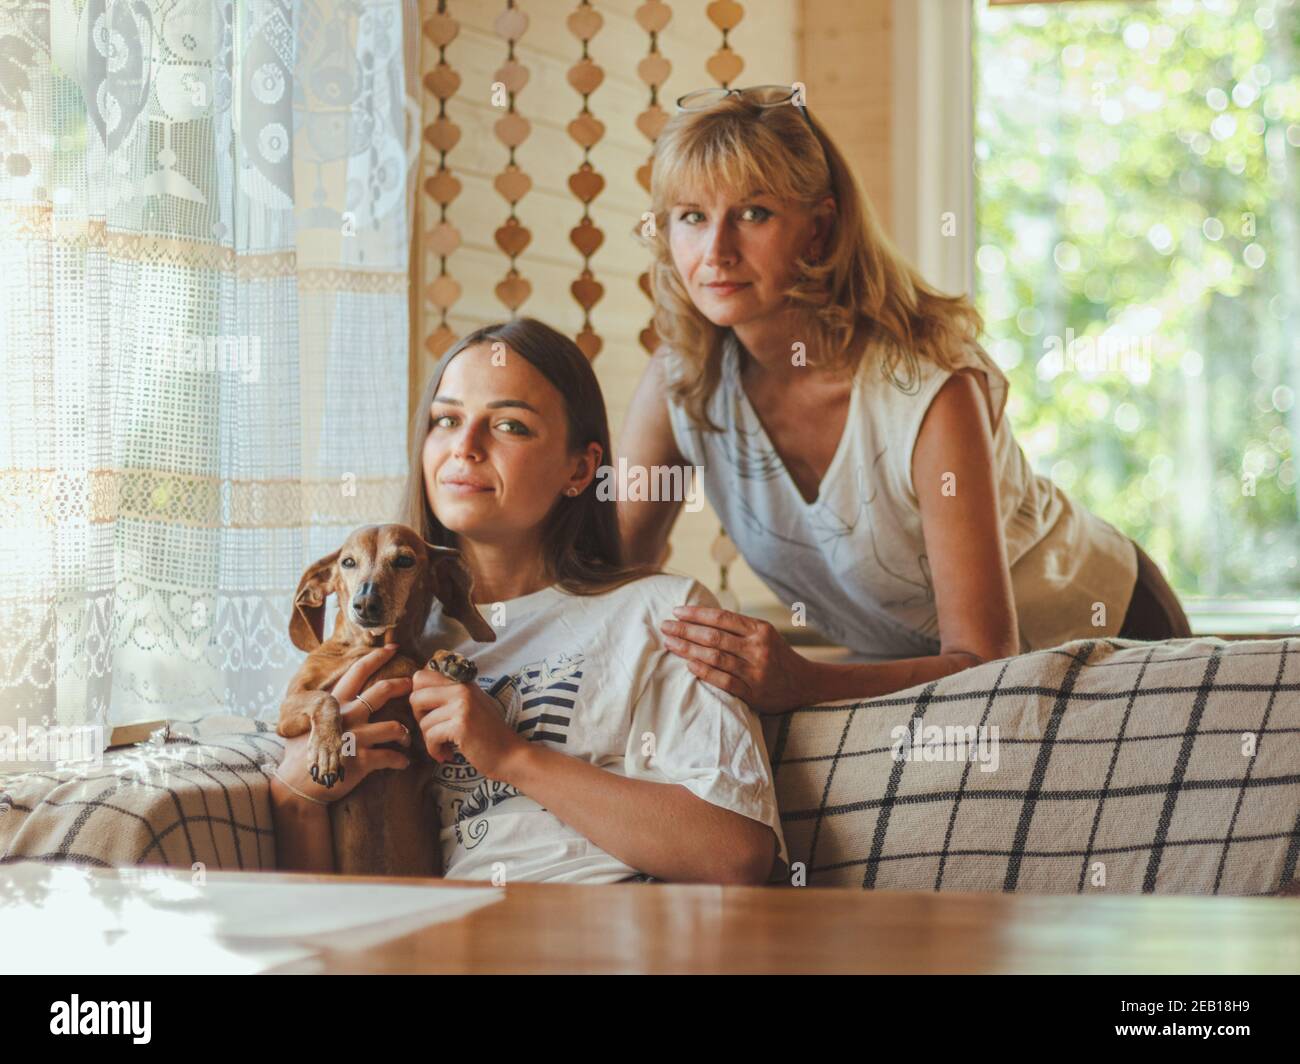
x=204, y=251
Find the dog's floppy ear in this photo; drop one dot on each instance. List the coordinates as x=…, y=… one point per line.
x=452, y=584
x=307, y=623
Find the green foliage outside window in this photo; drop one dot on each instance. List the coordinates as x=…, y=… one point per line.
x=1137, y=170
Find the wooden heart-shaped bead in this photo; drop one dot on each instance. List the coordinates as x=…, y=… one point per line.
x=441, y=29
x=444, y=291
x=513, y=75
x=586, y=238
x=585, y=23
x=443, y=239
x=649, y=339
x=725, y=14
x=442, y=133
x=511, y=24
x=643, y=175
x=651, y=121
x=586, y=184
x=585, y=77
x=442, y=186
x=587, y=290
x=439, y=340
x=587, y=130
x=724, y=66
x=513, y=184
x=513, y=291
x=723, y=551
x=442, y=81
x=654, y=69
x=588, y=343
x=512, y=130
x=512, y=238
x=653, y=16
x=644, y=282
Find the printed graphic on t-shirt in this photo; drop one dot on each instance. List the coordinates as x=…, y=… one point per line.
x=537, y=701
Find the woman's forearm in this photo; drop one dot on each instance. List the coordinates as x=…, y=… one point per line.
x=828, y=682
x=303, y=840
x=659, y=828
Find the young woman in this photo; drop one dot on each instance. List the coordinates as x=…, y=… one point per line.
x=585, y=752
x=851, y=431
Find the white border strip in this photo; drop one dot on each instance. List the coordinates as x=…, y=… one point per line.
x=932, y=139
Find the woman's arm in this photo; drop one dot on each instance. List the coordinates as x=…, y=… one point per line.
x=303, y=842
x=827, y=682
x=647, y=440
x=659, y=828
x=956, y=488
x=968, y=568
x=957, y=491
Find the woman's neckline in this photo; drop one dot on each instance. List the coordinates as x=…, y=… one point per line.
x=733, y=364
x=522, y=604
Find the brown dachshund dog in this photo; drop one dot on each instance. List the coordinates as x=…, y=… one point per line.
x=386, y=578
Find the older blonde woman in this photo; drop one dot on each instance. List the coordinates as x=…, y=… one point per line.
x=851, y=430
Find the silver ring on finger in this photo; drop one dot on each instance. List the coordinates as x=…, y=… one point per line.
x=370, y=710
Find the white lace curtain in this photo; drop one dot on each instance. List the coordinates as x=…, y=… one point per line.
x=203, y=337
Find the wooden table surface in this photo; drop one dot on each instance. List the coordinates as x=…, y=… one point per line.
x=681, y=928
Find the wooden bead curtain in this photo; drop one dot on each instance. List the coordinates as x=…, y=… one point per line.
x=512, y=129
x=435, y=291
x=439, y=82
x=654, y=69
x=585, y=183
x=724, y=65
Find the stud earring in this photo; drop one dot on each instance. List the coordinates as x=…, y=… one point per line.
x=571, y=491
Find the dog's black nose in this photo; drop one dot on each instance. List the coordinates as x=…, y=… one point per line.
x=367, y=603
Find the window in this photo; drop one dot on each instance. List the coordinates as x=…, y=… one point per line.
x=1137, y=198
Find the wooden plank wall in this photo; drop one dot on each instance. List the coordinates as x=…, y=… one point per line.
x=838, y=48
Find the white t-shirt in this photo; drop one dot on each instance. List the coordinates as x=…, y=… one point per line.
x=589, y=675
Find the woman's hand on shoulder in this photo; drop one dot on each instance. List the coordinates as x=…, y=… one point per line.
x=744, y=656
x=462, y=716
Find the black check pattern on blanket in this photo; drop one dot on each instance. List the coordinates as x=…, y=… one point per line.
x=1122, y=767
x=198, y=792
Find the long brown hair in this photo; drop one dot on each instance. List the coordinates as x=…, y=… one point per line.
x=581, y=548
x=861, y=288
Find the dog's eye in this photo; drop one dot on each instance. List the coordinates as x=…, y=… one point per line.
x=348, y=563
x=403, y=561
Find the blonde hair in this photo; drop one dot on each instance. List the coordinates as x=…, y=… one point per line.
x=861, y=288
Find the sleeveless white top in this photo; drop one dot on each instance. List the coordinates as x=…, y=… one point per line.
x=855, y=556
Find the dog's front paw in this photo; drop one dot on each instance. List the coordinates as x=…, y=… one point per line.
x=325, y=754
x=455, y=666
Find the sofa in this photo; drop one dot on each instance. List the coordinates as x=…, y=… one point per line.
x=1099, y=766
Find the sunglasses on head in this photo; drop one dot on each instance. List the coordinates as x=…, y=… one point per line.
x=758, y=96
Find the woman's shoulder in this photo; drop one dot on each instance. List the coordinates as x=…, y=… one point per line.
x=908, y=390
x=674, y=367
x=657, y=591
x=678, y=366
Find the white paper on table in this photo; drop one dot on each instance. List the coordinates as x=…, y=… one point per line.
x=64, y=918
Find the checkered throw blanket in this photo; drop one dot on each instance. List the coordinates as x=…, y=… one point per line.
x=1103, y=766
x=1099, y=766
x=198, y=791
